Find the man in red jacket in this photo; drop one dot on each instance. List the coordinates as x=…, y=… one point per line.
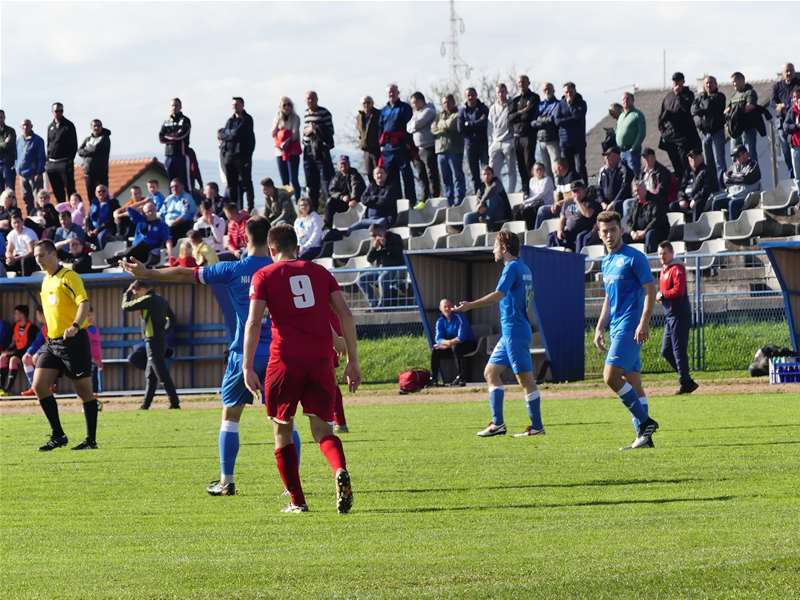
x=672, y=293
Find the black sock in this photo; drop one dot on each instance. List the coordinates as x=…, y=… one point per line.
x=3, y=373
x=12, y=376
x=90, y=414
x=50, y=409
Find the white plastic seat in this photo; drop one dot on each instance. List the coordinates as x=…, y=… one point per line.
x=325, y=262
x=351, y=216
x=404, y=233
x=516, y=198
x=518, y=227
x=430, y=215
x=593, y=251
x=433, y=237
x=355, y=244
x=714, y=246
x=403, y=207
x=351, y=278
x=678, y=248
x=540, y=236
x=111, y=248
x=707, y=227
x=778, y=199
x=639, y=247
x=472, y=235
x=750, y=224
x=455, y=214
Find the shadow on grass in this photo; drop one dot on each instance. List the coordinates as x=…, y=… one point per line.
x=740, y=444
x=433, y=509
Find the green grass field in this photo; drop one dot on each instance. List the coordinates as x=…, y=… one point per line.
x=711, y=512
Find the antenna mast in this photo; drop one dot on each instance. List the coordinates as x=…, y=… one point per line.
x=450, y=48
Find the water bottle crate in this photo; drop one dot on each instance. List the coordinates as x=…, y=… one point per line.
x=784, y=369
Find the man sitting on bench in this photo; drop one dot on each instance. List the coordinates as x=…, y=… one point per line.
x=454, y=338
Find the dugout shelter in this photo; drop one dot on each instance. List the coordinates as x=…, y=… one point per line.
x=557, y=316
x=785, y=259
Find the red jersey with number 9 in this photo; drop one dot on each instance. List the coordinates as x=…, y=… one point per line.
x=297, y=293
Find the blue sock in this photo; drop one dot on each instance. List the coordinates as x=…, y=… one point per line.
x=636, y=423
x=228, y=449
x=296, y=442
x=534, y=411
x=631, y=401
x=496, y=404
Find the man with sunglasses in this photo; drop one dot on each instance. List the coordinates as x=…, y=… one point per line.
x=62, y=146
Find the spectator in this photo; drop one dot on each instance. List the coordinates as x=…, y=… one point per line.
x=630, y=133
x=791, y=129
x=454, y=338
x=610, y=138
x=345, y=190
x=563, y=192
x=8, y=206
x=743, y=177
x=66, y=232
x=150, y=235
x=178, y=211
x=547, y=145
x=44, y=218
x=154, y=194
x=570, y=117
x=3, y=273
x=678, y=133
x=317, y=146
x=101, y=226
x=420, y=128
x=782, y=92
x=24, y=332
x=540, y=193
x=693, y=199
x=184, y=258
x=450, y=151
x=647, y=221
x=308, y=227
x=493, y=208
x=501, y=138
x=658, y=180
x=614, y=181
x=524, y=109
x=75, y=208
x=380, y=199
x=237, y=144
x=237, y=223
x=708, y=110
x=394, y=142
x=76, y=257
x=578, y=219
x=367, y=126
x=8, y=154
x=62, y=145
x=174, y=134
x=95, y=150
x=31, y=160
x=278, y=204
x=744, y=116
x=386, y=250
x=203, y=254
x=286, y=139
x=473, y=119
x=19, y=247
x=211, y=227
x=211, y=194
x=123, y=223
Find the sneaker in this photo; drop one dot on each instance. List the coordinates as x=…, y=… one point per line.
x=216, y=488
x=687, y=388
x=340, y=429
x=529, y=431
x=344, y=492
x=648, y=444
x=646, y=431
x=295, y=508
x=457, y=382
x=86, y=444
x=174, y=406
x=28, y=393
x=144, y=406
x=420, y=205
x=55, y=441
x=3, y=392
x=492, y=429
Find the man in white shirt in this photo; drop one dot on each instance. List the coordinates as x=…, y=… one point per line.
x=19, y=247
x=211, y=226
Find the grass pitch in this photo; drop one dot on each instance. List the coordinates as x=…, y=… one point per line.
x=439, y=513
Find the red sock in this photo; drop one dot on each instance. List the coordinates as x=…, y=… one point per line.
x=289, y=468
x=331, y=447
x=338, y=408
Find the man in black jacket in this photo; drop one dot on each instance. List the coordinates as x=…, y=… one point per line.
x=174, y=134
x=647, y=220
x=614, y=182
x=708, y=110
x=473, y=119
x=380, y=199
x=524, y=109
x=8, y=154
x=344, y=191
x=678, y=133
x=237, y=144
x=157, y=319
x=62, y=145
x=386, y=251
x=782, y=98
x=693, y=199
x=95, y=150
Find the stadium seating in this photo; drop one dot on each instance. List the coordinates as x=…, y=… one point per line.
x=707, y=227
x=516, y=198
x=455, y=214
x=781, y=198
x=517, y=227
x=325, y=262
x=750, y=224
x=403, y=206
x=433, y=237
x=472, y=235
x=540, y=236
x=353, y=245
x=404, y=233
x=593, y=251
x=343, y=220
x=714, y=246
x=345, y=279
x=676, y=223
x=433, y=214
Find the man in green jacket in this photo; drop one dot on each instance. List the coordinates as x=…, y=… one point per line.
x=631, y=129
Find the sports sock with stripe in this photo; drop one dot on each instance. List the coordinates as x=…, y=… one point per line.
x=50, y=408
x=228, y=450
x=534, y=409
x=29, y=373
x=631, y=401
x=288, y=467
x=634, y=420
x=496, y=404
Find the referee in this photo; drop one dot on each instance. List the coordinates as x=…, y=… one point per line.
x=66, y=307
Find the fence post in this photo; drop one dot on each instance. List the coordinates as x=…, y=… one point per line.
x=698, y=303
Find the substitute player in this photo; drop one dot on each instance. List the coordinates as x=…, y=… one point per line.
x=234, y=277
x=630, y=296
x=514, y=293
x=66, y=307
x=299, y=295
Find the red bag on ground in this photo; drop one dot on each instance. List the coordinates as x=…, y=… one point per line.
x=413, y=380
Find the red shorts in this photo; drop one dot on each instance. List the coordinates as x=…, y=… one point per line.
x=311, y=383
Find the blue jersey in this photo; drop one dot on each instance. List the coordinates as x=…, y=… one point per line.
x=624, y=273
x=516, y=282
x=235, y=277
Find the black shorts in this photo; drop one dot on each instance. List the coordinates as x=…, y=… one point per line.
x=15, y=352
x=71, y=356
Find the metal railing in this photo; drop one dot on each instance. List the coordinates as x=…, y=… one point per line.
x=376, y=289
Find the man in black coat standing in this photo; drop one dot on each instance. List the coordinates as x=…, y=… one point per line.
x=62, y=145
x=237, y=144
x=95, y=150
x=678, y=133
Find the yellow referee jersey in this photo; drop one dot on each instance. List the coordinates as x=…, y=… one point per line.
x=61, y=295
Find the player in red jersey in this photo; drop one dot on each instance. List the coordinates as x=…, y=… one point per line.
x=299, y=296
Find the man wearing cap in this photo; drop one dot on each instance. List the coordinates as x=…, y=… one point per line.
x=630, y=133
x=578, y=217
x=345, y=190
x=743, y=177
x=693, y=199
x=678, y=133
x=614, y=181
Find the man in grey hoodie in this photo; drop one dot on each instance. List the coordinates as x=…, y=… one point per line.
x=501, y=140
x=420, y=127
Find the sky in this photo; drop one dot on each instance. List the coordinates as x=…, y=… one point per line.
x=123, y=62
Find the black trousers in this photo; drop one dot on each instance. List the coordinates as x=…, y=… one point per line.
x=525, y=149
x=180, y=230
x=92, y=181
x=679, y=157
x=428, y=173
x=527, y=213
x=333, y=206
x=156, y=370
x=239, y=175
x=457, y=353
x=675, y=343
x=61, y=175
x=576, y=159
x=177, y=166
x=319, y=172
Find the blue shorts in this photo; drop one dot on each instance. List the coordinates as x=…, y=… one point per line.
x=625, y=352
x=512, y=353
x=234, y=392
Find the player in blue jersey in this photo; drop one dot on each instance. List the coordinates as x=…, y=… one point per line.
x=233, y=279
x=513, y=350
x=630, y=297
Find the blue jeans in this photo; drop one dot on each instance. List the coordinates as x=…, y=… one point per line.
x=633, y=160
x=734, y=203
x=714, y=154
x=384, y=279
x=8, y=176
x=289, y=171
x=786, y=151
x=451, y=168
x=749, y=138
